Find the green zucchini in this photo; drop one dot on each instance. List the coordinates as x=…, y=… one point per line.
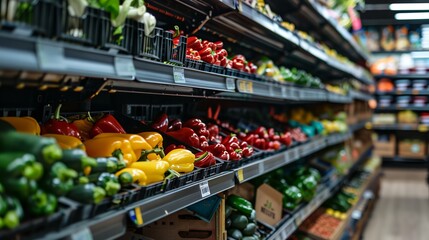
x=77, y=159
x=109, y=182
x=17, y=164
x=87, y=193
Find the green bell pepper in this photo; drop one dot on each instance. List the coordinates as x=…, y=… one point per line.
x=241, y=204
x=17, y=164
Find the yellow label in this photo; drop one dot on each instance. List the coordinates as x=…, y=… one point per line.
x=422, y=128
x=245, y=86
x=240, y=175
x=139, y=217
x=368, y=125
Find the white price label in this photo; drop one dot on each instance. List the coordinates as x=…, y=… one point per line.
x=290, y=229
x=261, y=167
x=293, y=155
x=83, y=234
x=124, y=66
x=50, y=56
x=205, y=189
x=299, y=218
x=230, y=84
x=284, y=92
x=286, y=156
x=179, y=75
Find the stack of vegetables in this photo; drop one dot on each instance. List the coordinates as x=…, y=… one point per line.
x=339, y=204
x=196, y=133
x=240, y=219
x=299, y=186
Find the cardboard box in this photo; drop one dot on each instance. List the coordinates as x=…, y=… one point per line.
x=384, y=148
x=269, y=205
x=183, y=225
x=412, y=149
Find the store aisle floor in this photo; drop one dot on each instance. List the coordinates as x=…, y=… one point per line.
x=402, y=211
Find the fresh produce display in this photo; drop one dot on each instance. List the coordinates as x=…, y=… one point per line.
x=240, y=219
x=340, y=202
x=321, y=224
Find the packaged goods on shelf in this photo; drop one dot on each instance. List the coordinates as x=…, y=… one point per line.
x=384, y=145
x=412, y=148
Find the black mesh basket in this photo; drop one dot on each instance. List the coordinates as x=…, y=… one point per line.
x=84, y=29
x=120, y=38
x=149, y=47
x=174, y=54
x=30, y=16
x=189, y=63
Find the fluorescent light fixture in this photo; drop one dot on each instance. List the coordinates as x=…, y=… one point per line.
x=412, y=16
x=409, y=6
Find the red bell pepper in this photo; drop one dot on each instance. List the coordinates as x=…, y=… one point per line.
x=202, y=138
x=217, y=149
x=224, y=156
x=205, y=51
x=235, y=155
x=239, y=58
x=195, y=123
x=213, y=129
x=237, y=65
x=222, y=52
x=175, y=125
x=253, y=67
x=204, y=145
x=232, y=146
x=204, y=159
x=218, y=44
x=261, y=143
x=286, y=139
x=59, y=125
x=106, y=124
x=194, y=43
x=230, y=139
x=247, y=151
x=172, y=147
x=223, y=61
x=161, y=123
x=186, y=135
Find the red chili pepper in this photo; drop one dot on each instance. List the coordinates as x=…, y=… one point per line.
x=213, y=129
x=161, y=123
x=186, y=135
x=247, y=69
x=244, y=144
x=230, y=139
x=224, y=156
x=247, y=152
x=204, y=145
x=175, y=125
x=217, y=149
x=106, y=124
x=172, y=147
x=204, y=159
x=235, y=155
x=58, y=125
x=218, y=44
x=205, y=51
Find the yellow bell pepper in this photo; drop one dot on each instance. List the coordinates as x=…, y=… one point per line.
x=109, y=146
x=23, y=124
x=180, y=160
x=154, y=170
x=138, y=143
x=66, y=142
x=84, y=126
x=127, y=176
x=155, y=141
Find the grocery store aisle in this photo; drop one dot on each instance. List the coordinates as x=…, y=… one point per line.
x=402, y=211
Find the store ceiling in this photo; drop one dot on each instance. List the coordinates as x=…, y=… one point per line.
x=376, y=12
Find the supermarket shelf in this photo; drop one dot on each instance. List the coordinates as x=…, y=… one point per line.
x=288, y=228
x=360, y=95
x=399, y=52
x=403, y=76
x=407, y=92
x=405, y=162
x=400, y=127
x=397, y=108
x=158, y=206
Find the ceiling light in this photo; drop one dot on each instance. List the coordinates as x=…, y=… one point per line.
x=412, y=16
x=408, y=6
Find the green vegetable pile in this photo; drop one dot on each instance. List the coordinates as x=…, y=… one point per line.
x=240, y=219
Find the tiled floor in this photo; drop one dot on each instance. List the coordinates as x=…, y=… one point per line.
x=402, y=212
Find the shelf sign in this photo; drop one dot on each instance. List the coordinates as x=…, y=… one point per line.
x=240, y=175
x=245, y=86
x=422, y=128
x=136, y=216
x=179, y=75
x=205, y=189
x=230, y=84
x=83, y=234
x=124, y=66
x=50, y=56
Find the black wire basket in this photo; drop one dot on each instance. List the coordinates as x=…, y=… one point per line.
x=150, y=46
x=174, y=54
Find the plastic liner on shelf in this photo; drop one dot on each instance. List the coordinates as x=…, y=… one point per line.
x=148, y=46
x=29, y=17
x=83, y=29
x=41, y=225
x=174, y=49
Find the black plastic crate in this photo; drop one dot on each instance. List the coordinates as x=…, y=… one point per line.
x=40, y=226
x=85, y=29
x=30, y=16
x=120, y=38
x=189, y=63
x=213, y=68
x=150, y=46
x=213, y=170
x=150, y=190
x=174, y=54
x=184, y=179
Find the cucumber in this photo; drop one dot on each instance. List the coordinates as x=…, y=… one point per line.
x=235, y=233
x=87, y=193
x=77, y=159
x=239, y=221
x=249, y=230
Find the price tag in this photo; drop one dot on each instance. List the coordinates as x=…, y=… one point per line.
x=261, y=167
x=290, y=229
x=83, y=234
x=245, y=86
x=230, y=84
x=284, y=92
x=286, y=157
x=179, y=75
x=240, y=175
x=50, y=56
x=136, y=216
x=124, y=66
x=299, y=218
x=205, y=189
x=422, y=128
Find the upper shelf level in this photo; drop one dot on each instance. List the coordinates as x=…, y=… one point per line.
x=255, y=32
